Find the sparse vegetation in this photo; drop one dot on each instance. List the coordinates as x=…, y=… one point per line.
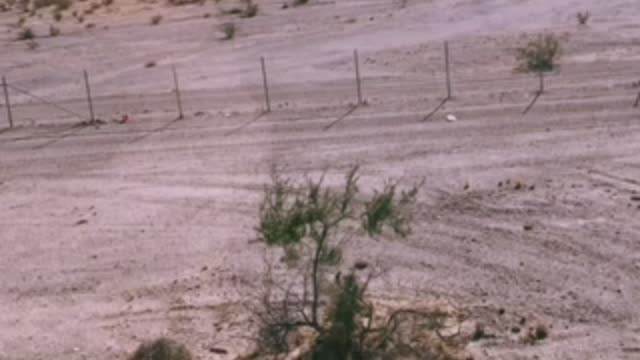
x=305, y=221
x=54, y=31
x=156, y=19
x=228, y=30
x=60, y=5
x=150, y=64
x=161, y=349
x=300, y=2
x=26, y=34
x=185, y=2
x=57, y=16
x=536, y=334
x=539, y=54
x=583, y=17
x=250, y=9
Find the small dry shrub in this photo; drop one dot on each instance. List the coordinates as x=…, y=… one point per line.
x=583, y=17
x=150, y=64
x=26, y=34
x=107, y=2
x=185, y=2
x=250, y=9
x=300, y=2
x=54, y=31
x=229, y=31
x=161, y=349
x=57, y=16
x=539, y=54
x=535, y=334
x=60, y=5
x=155, y=20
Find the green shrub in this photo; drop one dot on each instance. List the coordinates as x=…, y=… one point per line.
x=539, y=54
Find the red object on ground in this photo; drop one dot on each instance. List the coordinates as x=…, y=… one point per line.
x=125, y=118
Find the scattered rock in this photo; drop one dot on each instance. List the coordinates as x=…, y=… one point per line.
x=527, y=227
x=360, y=265
x=515, y=330
x=204, y=268
x=501, y=311
x=82, y=222
x=217, y=350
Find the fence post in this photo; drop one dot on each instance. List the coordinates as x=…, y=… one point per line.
x=356, y=61
x=447, y=68
x=178, y=97
x=265, y=84
x=86, y=81
x=6, y=101
x=541, y=74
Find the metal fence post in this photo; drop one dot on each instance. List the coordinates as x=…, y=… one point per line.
x=178, y=97
x=265, y=84
x=447, y=68
x=86, y=81
x=358, y=81
x=6, y=101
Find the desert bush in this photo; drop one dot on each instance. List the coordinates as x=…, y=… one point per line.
x=54, y=31
x=60, y=5
x=161, y=349
x=583, y=17
x=228, y=30
x=107, y=2
x=536, y=334
x=155, y=20
x=300, y=2
x=26, y=34
x=57, y=16
x=150, y=64
x=250, y=9
x=539, y=54
x=185, y=2
x=306, y=221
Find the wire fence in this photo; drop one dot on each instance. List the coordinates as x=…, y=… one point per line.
x=438, y=74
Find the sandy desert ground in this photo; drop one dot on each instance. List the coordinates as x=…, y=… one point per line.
x=116, y=234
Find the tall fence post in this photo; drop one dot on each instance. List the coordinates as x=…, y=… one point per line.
x=178, y=97
x=265, y=84
x=541, y=74
x=86, y=81
x=447, y=68
x=7, y=102
x=356, y=61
